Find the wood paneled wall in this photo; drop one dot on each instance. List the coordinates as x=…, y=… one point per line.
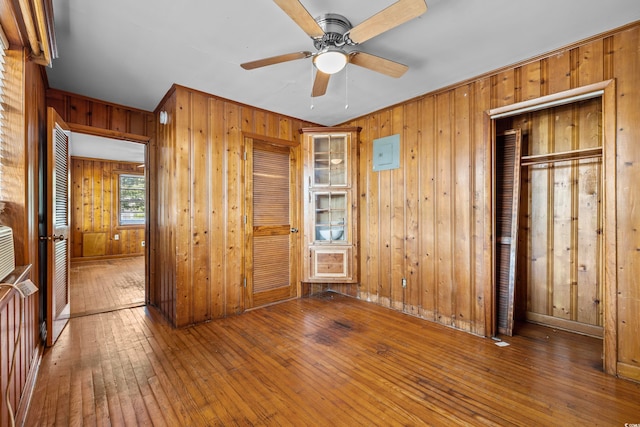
x=94, y=211
x=197, y=185
x=431, y=220
x=94, y=114
x=13, y=312
x=25, y=117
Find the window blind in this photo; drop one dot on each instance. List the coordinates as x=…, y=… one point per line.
x=4, y=45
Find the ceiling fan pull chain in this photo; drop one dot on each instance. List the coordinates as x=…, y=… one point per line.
x=346, y=88
x=311, y=105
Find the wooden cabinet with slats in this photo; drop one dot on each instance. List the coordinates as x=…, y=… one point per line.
x=330, y=205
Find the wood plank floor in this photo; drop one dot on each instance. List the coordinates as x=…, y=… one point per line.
x=322, y=361
x=104, y=285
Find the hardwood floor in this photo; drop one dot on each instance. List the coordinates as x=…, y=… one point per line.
x=324, y=361
x=99, y=286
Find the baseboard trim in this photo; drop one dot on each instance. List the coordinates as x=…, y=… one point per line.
x=628, y=372
x=104, y=257
x=566, y=325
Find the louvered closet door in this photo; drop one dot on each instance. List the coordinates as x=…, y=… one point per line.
x=271, y=209
x=58, y=222
x=508, y=153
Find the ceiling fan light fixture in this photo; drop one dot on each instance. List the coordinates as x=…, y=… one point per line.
x=330, y=61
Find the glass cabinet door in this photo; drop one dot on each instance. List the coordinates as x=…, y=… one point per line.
x=330, y=160
x=330, y=216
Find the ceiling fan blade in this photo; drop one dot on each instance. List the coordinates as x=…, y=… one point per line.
x=300, y=16
x=378, y=64
x=320, y=84
x=396, y=14
x=275, y=60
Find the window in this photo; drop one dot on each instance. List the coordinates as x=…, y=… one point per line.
x=131, y=200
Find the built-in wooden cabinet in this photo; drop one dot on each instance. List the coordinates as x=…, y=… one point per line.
x=330, y=205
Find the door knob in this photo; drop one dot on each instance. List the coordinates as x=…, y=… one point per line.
x=294, y=230
x=54, y=237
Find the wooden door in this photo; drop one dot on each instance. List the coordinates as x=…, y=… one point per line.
x=57, y=225
x=271, y=236
x=507, y=185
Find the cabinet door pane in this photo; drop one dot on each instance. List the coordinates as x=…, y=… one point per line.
x=330, y=216
x=330, y=160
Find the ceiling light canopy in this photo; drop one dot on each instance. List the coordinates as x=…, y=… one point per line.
x=330, y=60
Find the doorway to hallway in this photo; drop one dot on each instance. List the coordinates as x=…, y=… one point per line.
x=106, y=285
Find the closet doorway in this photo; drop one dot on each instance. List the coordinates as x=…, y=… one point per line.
x=563, y=264
x=108, y=224
x=549, y=265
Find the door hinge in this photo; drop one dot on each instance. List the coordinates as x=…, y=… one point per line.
x=245, y=219
x=245, y=155
x=244, y=282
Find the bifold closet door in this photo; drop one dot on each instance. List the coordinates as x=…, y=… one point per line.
x=507, y=190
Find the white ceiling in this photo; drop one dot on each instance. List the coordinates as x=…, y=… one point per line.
x=97, y=147
x=130, y=52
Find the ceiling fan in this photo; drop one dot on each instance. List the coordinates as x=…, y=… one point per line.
x=334, y=37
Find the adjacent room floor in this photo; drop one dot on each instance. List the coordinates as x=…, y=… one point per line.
x=328, y=360
x=105, y=285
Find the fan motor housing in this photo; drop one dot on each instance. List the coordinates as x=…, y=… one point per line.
x=334, y=26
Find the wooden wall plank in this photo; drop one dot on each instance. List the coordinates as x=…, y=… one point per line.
x=100, y=116
x=562, y=214
x=482, y=314
x=200, y=208
x=119, y=119
x=462, y=185
x=109, y=190
x=428, y=236
x=364, y=165
x=87, y=195
x=590, y=67
x=182, y=199
x=76, y=209
x=444, y=208
x=97, y=221
x=412, y=139
x=397, y=231
x=530, y=81
x=370, y=237
x=235, y=198
x=385, y=184
x=540, y=185
x=371, y=241
x=218, y=215
x=79, y=111
x=504, y=88
x=557, y=76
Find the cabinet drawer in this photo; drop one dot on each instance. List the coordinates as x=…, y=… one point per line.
x=329, y=263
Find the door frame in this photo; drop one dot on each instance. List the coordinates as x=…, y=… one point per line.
x=606, y=90
x=295, y=173
x=140, y=139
